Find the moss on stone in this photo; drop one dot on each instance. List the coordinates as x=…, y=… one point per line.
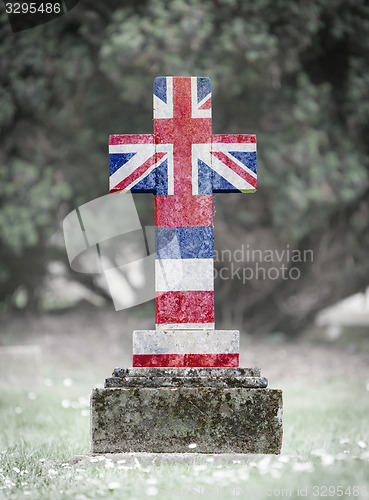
x=167, y=420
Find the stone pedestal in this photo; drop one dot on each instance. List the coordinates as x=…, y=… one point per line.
x=165, y=410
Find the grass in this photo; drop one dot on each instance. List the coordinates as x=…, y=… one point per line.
x=325, y=451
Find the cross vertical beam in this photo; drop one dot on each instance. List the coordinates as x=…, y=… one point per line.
x=184, y=282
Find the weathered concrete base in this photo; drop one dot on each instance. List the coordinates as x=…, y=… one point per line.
x=217, y=415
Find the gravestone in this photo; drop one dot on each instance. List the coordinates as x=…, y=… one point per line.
x=185, y=391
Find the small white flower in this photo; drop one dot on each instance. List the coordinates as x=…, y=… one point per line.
x=243, y=473
x=277, y=465
x=303, y=467
x=318, y=453
x=361, y=444
x=199, y=467
x=85, y=413
x=152, y=480
x=32, y=396
x=94, y=459
x=84, y=401
x=109, y=465
x=327, y=460
x=48, y=382
x=218, y=473
x=340, y=456
x=210, y=459
x=42, y=460
x=275, y=473
x=67, y=382
x=26, y=492
x=264, y=464
x=344, y=440
x=152, y=491
x=18, y=410
x=15, y=469
x=192, y=446
x=65, y=403
x=52, y=472
x=114, y=485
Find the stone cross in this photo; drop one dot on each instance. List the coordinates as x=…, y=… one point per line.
x=182, y=163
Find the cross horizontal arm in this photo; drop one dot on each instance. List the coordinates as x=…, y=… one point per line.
x=227, y=164
x=135, y=163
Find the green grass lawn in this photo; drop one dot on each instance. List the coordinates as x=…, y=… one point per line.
x=325, y=451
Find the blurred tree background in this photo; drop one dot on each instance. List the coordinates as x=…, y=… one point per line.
x=294, y=73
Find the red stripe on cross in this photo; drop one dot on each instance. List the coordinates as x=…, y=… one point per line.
x=183, y=210
x=185, y=307
x=233, y=138
x=117, y=139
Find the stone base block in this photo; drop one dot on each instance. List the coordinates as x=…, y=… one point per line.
x=185, y=348
x=168, y=419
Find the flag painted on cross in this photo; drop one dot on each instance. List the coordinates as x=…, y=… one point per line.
x=182, y=163
x=225, y=163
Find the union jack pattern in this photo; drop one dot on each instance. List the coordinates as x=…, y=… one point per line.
x=182, y=163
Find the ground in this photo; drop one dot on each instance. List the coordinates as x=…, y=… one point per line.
x=42, y=427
